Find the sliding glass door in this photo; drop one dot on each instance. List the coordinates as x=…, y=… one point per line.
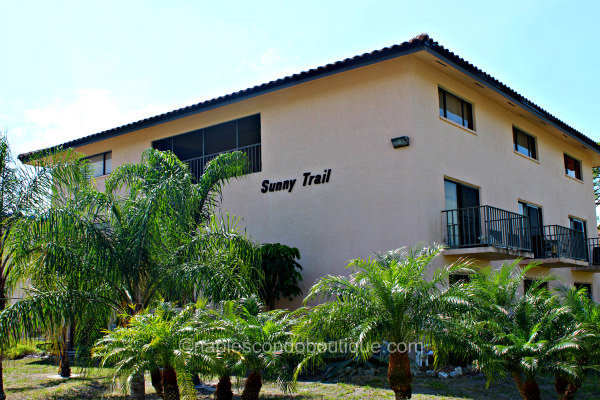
x=464, y=215
x=536, y=230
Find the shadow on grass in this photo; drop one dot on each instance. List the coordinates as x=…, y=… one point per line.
x=55, y=383
x=474, y=387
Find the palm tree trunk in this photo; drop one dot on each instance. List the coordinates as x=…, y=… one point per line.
x=2, y=305
x=72, y=336
x=138, y=387
x=2, y=394
x=156, y=379
x=196, y=379
x=252, y=386
x=565, y=388
x=64, y=367
x=169, y=383
x=528, y=388
x=399, y=375
x=223, y=391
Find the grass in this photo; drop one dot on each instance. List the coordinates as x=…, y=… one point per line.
x=33, y=379
x=24, y=349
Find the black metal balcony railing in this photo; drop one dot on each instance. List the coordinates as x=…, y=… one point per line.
x=197, y=165
x=594, y=251
x=490, y=226
x=555, y=241
x=486, y=226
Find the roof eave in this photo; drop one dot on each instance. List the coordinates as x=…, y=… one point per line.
x=590, y=144
x=407, y=48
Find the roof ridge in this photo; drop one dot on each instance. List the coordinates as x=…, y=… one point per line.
x=393, y=51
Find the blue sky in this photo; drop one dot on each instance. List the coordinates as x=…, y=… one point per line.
x=72, y=68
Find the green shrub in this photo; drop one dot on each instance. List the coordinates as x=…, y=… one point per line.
x=24, y=349
x=280, y=273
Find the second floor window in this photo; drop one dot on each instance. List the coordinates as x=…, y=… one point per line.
x=578, y=225
x=572, y=167
x=456, y=109
x=198, y=147
x=101, y=163
x=524, y=143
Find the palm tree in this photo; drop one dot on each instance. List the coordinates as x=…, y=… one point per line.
x=24, y=192
x=151, y=342
x=583, y=316
x=257, y=339
x=153, y=232
x=209, y=356
x=390, y=298
x=512, y=333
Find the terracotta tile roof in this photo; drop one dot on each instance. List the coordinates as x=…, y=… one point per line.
x=418, y=43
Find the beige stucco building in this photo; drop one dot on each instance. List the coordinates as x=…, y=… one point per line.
x=517, y=180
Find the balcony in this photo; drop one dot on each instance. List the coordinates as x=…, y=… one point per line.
x=197, y=165
x=486, y=232
x=593, y=256
x=559, y=246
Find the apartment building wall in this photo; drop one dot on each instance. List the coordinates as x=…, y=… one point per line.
x=486, y=159
x=378, y=198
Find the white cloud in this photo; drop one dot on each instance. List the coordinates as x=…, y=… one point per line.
x=90, y=111
x=271, y=65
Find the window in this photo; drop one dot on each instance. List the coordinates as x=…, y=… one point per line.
x=101, y=163
x=586, y=286
x=572, y=167
x=198, y=147
x=456, y=109
x=578, y=225
x=459, y=278
x=524, y=143
x=528, y=283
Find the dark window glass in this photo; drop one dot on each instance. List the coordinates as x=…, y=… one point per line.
x=249, y=131
x=586, y=286
x=572, y=167
x=220, y=138
x=442, y=102
x=163, y=144
x=462, y=214
x=456, y=109
x=198, y=147
x=527, y=283
x=459, y=278
x=101, y=163
x=535, y=220
x=524, y=143
x=188, y=145
x=578, y=224
x=107, y=163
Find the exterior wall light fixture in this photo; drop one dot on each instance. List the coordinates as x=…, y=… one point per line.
x=401, y=141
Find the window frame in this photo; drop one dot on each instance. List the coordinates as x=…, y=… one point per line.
x=463, y=101
x=581, y=220
x=580, y=178
x=104, y=169
x=531, y=139
x=256, y=162
x=579, y=285
x=457, y=278
x=527, y=282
